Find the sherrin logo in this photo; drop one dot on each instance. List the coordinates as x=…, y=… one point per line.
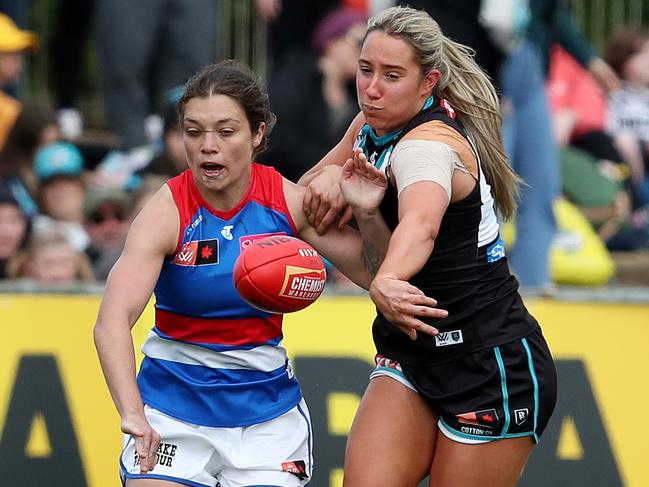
x=248, y=240
x=303, y=283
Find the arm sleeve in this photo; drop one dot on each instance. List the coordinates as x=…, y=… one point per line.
x=424, y=160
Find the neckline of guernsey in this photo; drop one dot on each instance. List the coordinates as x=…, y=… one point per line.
x=380, y=140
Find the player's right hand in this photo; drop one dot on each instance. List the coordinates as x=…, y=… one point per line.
x=403, y=304
x=146, y=439
x=323, y=200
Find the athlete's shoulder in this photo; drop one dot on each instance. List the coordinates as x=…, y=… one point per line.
x=160, y=218
x=267, y=186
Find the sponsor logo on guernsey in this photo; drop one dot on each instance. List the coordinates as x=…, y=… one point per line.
x=496, y=251
x=487, y=418
x=446, y=338
x=194, y=224
x=248, y=240
x=520, y=415
x=165, y=455
x=303, y=283
x=297, y=468
x=198, y=252
x=226, y=232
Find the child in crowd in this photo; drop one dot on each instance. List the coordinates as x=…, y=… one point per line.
x=51, y=260
x=628, y=122
x=628, y=116
x=59, y=168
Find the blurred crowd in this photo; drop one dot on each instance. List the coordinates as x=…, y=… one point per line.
x=576, y=122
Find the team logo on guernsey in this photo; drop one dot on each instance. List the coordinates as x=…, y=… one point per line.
x=520, y=415
x=248, y=240
x=445, y=338
x=486, y=418
x=297, y=468
x=303, y=283
x=198, y=252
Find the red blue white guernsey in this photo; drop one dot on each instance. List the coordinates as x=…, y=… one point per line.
x=212, y=359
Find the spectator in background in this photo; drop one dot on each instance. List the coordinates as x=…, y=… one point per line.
x=107, y=219
x=67, y=43
x=628, y=54
x=291, y=24
x=171, y=161
x=578, y=105
x=150, y=185
x=59, y=168
x=14, y=228
x=35, y=127
x=50, y=260
x=13, y=44
x=145, y=48
x=528, y=133
x=313, y=116
x=459, y=20
x=593, y=173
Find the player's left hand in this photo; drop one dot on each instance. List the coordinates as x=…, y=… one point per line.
x=362, y=185
x=402, y=303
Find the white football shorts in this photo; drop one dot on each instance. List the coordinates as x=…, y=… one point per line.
x=278, y=452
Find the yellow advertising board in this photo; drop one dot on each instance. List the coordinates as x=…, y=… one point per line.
x=58, y=425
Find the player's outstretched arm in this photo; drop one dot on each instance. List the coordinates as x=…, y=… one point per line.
x=421, y=209
x=343, y=247
x=153, y=235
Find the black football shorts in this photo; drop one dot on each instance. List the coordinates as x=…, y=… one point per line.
x=507, y=391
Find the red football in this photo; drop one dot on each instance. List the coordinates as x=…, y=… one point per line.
x=279, y=274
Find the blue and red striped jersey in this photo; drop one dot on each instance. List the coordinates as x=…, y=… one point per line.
x=212, y=359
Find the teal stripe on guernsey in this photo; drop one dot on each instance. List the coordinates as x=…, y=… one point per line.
x=536, y=386
x=503, y=385
x=380, y=139
x=429, y=102
x=385, y=138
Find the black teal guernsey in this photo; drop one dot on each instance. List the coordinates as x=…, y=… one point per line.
x=467, y=271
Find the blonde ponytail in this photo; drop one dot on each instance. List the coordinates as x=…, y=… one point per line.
x=466, y=87
x=470, y=92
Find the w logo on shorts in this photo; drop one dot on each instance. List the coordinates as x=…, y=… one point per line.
x=445, y=338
